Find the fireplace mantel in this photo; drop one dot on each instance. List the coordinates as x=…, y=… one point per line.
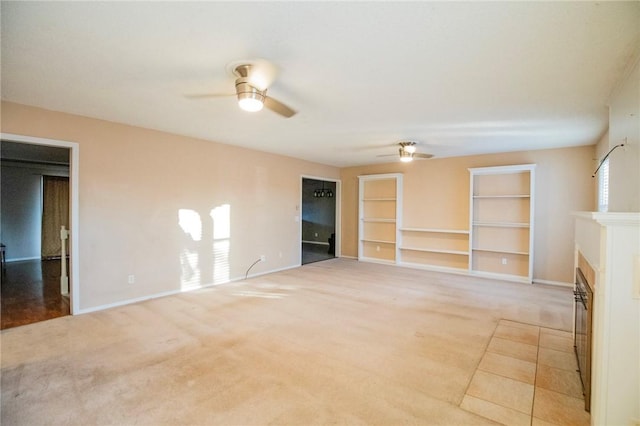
x=610, y=243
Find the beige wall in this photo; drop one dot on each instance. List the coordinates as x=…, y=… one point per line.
x=602, y=147
x=436, y=195
x=133, y=184
x=624, y=163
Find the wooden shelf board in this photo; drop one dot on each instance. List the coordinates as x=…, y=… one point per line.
x=378, y=220
x=506, y=277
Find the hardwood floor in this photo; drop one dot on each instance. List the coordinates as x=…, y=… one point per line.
x=30, y=293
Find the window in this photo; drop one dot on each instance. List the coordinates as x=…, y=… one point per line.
x=603, y=187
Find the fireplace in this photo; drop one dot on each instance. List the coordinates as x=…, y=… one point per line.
x=582, y=340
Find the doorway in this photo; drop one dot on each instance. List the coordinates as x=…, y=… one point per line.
x=31, y=277
x=319, y=220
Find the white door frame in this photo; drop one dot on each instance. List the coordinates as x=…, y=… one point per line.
x=338, y=182
x=74, y=222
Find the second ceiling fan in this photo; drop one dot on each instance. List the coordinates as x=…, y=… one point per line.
x=408, y=152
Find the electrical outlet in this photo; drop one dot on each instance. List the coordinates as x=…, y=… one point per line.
x=316, y=235
x=131, y=279
x=504, y=260
x=263, y=258
x=377, y=248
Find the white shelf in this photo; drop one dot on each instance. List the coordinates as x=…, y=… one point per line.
x=379, y=217
x=503, y=196
x=366, y=240
x=436, y=230
x=458, y=252
x=521, y=253
x=502, y=224
x=378, y=220
x=501, y=211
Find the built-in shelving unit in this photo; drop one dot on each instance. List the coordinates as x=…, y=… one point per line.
x=380, y=216
x=435, y=248
x=501, y=221
x=498, y=241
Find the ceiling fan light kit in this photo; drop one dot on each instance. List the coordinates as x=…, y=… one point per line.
x=409, y=147
x=405, y=156
x=251, y=89
x=249, y=98
x=253, y=78
x=408, y=152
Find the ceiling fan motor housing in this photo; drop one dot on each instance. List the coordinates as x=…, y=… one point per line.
x=409, y=147
x=249, y=98
x=245, y=90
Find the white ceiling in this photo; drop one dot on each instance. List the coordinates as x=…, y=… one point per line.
x=461, y=78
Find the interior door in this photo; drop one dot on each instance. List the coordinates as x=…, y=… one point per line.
x=55, y=214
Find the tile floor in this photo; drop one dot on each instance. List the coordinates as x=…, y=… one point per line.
x=527, y=376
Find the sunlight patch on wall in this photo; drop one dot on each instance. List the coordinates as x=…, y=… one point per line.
x=221, y=217
x=204, y=255
x=189, y=221
x=191, y=225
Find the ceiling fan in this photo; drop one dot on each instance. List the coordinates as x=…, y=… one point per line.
x=253, y=78
x=408, y=152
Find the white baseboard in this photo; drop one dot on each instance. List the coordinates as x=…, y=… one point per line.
x=348, y=257
x=501, y=277
x=433, y=268
x=380, y=261
x=174, y=292
x=555, y=283
x=271, y=271
x=127, y=302
x=467, y=272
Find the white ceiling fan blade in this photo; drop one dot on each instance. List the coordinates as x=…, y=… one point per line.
x=278, y=107
x=262, y=74
x=419, y=155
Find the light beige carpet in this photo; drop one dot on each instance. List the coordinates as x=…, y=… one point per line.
x=335, y=342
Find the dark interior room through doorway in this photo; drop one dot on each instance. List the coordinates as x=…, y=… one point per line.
x=35, y=203
x=318, y=220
